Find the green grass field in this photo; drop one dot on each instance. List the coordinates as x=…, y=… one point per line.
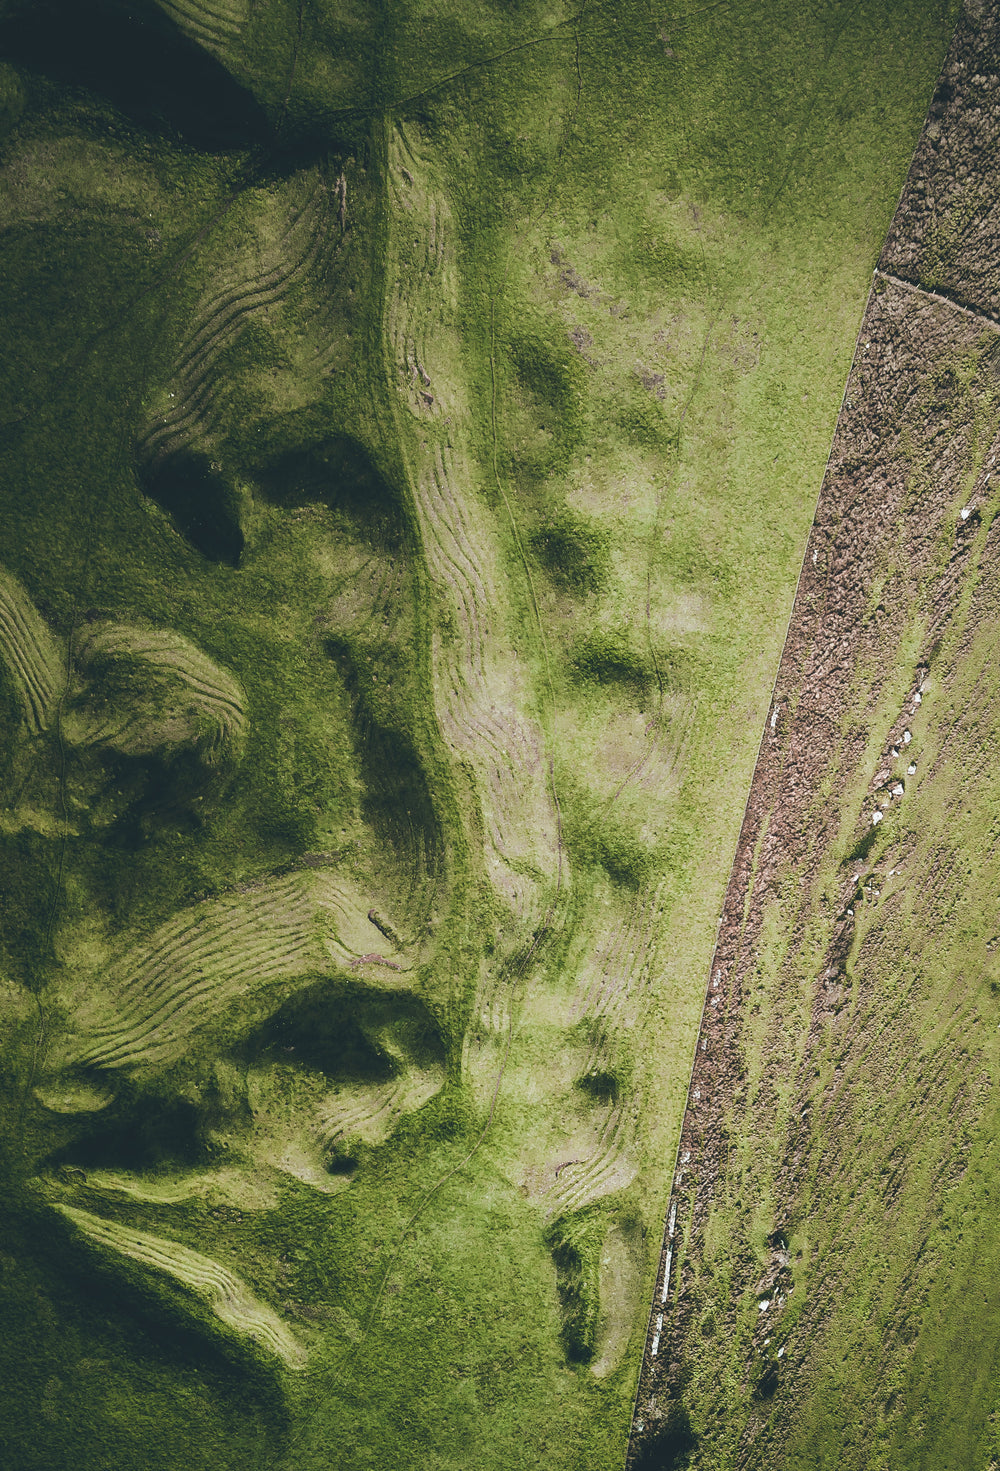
x=457, y=388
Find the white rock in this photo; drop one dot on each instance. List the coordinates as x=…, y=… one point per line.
x=876, y=818
x=911, y=768
x=907, y=737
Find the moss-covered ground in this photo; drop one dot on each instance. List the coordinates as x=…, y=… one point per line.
x=660, y=235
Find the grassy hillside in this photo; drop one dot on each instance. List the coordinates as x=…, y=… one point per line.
x=410, y=437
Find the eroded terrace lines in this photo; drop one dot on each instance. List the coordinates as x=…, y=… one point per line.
x=192, y=968
x=350, y=1118
x=215, y=698
x=307, y=241
x=30, y=655
x=608, y=1169
x=226, y=1295
x=482, y=697
x=609, y=993
x=216, y=26
x=370, y=1113
x=622, y=963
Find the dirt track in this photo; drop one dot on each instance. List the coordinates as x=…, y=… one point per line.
x=896, y=520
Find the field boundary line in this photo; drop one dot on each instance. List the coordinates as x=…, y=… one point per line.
x=956, y=306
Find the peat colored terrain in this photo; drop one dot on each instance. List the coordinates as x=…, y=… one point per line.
x=832, y=1236
x=411, y=423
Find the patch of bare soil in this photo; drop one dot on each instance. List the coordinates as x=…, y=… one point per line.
x=889, y=546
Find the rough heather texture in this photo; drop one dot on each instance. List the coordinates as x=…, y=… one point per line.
x=944, y=232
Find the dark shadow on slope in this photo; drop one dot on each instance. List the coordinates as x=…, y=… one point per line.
x=339, y=1030
x=397, y=801
x=575, y=1243
x=126, y=1323
x=140, y=1134
x=340, y=473
x=201, y=505
x=135, y=58
x=668, y=1448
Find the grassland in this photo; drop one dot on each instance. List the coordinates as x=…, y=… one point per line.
x=502, y=658
x=873, y=1046
x=833, y=1306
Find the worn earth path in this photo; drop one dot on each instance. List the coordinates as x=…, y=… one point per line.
x=904, y=513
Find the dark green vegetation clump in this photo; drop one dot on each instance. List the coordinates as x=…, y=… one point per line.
x=671, y=1444
x=574, y=553
x=575, y=1247
x=203, y=508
